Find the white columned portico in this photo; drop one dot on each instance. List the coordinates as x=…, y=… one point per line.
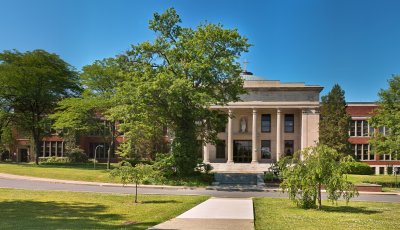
x=230, y=141
x=278, y=134
x=254, y=158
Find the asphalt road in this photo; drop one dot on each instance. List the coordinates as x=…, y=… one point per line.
x=44, y=185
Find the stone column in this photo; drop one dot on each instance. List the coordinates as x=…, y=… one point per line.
x=206, y=154
x=230, y=141
x=304, y=134
x=278, y=134
x=254, y=157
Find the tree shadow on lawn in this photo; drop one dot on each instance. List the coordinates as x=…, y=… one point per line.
x=349, y=209
x=56, y=215
x=159, y=201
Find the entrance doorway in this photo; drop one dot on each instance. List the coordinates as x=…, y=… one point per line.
x=242, y=151
x=23, y=154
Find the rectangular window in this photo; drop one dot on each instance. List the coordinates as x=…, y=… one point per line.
x=358, y=125
x=220, y=149
x=289, y=148
x=387, y=157
x=42, y=148
x=381, y=170
x=359, y=152
x=352, y=128
x=365, y=128
x=365, y=151
x=371, y=130
x=289, y=123
x=266, y=123
x=266, y=149
x=47, y=149
x=371, y=154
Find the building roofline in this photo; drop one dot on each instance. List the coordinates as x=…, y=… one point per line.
x=361, y=103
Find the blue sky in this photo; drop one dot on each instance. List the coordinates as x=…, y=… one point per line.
x=355, y=43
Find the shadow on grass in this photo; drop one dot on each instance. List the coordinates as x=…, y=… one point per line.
x=160, y=201
x=56, y=215
x=348, y=209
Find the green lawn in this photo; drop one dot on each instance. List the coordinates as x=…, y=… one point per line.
x=80, y=172
x=273, y=213
x=28, y=209
x=85, y=172
x=384, y=180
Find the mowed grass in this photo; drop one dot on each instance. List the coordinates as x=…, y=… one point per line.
x=27, y=209
x=78, y=172
x=377, y=179
x=273, y=213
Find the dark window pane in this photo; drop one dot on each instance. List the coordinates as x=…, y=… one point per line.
x=266, y=149
x=365, y=151
x=242, y=151
x=221, y=149
x=289, y=148
x=289, y=123
x=266, y=123
x=359, y=128
x=352, y=128
x=359, y=151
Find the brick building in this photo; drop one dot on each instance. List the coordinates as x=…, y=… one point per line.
x=360, y=132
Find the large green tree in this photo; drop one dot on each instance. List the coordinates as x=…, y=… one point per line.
x=388, y=115
x=321, y=166
x=31, y=85
x=173, y=81
x=335, y=122
x=87, y=113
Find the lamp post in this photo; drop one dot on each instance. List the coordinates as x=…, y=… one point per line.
x=94, y=159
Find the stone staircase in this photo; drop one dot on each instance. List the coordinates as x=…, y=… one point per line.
x=239, y=179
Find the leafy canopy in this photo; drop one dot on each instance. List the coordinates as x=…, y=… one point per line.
x=31, y=84
x=388, y=115
x=334, y=123
x=173, y=81
x=321, y=165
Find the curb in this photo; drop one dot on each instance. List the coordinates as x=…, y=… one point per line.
x=12, y=176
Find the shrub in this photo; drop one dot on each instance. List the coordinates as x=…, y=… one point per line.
x=165, y=164
x=359, y=168
x=77, y=155
x=269, y=177
x=53, y=160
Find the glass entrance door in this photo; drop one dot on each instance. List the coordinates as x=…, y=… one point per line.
x=242, y=151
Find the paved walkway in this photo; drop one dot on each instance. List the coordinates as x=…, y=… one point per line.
x=215, y=213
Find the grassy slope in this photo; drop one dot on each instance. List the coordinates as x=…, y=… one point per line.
x=26, y=209
x=85, y=172
x=80, y=172
x=272, y=213
x=373, y=178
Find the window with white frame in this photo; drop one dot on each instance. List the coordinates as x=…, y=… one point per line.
x=52, y=148
x=384, y=130
x=362, y=152
x=360, y=128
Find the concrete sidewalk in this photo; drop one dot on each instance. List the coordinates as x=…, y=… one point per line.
x=215, y=213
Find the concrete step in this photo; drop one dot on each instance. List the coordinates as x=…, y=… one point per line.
x=238, y=179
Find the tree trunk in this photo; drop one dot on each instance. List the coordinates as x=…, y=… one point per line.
x=136, y=192
x=319, y=196
x=36, y=143
x=111, y=149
